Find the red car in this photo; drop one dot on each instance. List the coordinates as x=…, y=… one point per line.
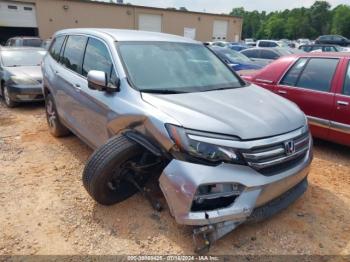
x=319, y=83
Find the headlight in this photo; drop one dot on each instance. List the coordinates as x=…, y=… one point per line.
x=202, y=150
x=23, y=80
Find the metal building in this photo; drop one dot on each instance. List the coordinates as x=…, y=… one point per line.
x=44, y=17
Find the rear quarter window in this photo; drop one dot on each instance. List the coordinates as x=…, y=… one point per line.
x=291, y=78
x=56, y=47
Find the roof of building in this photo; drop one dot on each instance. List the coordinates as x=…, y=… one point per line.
x=128, y=35
x=155, y=8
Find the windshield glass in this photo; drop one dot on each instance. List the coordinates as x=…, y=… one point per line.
x=233, y=56
x=22, y=58
x=175, y=67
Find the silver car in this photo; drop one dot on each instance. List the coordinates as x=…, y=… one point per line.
x=155, y=105
x=20, y=74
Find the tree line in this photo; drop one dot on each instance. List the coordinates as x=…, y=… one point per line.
x=319, y=19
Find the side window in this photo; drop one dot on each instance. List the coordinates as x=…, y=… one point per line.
x=346, y=89
x=272, y=44
x=267, y=54
x=56, y=46
x=251, y=53
x=318, y=74
x=291, y=78
x=263, y=44
x=72, y=57
x=98, y=58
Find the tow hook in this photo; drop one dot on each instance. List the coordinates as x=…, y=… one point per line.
x=154, y=202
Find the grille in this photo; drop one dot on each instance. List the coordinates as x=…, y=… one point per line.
x=275, y=158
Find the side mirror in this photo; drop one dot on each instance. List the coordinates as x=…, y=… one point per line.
x=97, y=80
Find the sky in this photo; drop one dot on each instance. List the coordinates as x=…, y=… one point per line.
x=225, y=6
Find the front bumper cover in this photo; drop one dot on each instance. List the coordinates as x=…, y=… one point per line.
x=180, y=181
x=20, y=93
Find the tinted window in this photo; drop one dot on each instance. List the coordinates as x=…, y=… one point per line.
x=291, y=77
x=337, y=38
x=32, y=42
x=325, y=38
x=251, y=53
x=264, y=44
x=346, y=90
x=318, y=74
x=97, y=57
x=73, y=52
x=306, y=48
x=267, y=54
x=56, y=47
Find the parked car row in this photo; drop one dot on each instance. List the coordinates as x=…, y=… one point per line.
x=225, y=150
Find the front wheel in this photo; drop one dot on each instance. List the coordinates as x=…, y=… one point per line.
x=107, y=174
x=8, y=101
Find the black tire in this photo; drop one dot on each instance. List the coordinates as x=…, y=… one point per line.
x=56, y=128
x=7, y=99
x=104, y=176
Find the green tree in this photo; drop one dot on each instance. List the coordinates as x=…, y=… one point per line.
x=341, y=21
x=320, y=17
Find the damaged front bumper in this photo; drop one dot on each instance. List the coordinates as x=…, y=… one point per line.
x=246, y=195
x=181, y=180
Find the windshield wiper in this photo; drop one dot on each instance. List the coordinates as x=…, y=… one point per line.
x=161, y=91
x=218, y=89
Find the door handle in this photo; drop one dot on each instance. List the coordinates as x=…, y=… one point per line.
x=342, y=103
x=282, y=92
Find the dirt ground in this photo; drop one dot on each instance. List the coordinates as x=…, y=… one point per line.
x=46, y=210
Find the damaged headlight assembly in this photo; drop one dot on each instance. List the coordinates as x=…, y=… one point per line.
x=193, y=150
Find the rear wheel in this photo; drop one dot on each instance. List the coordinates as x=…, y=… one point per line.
x=107, y=174
x=8, y=101
x=56, y=128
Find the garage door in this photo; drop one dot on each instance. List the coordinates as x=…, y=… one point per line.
x=220, y=30
x=14, y=14
x=149, y=22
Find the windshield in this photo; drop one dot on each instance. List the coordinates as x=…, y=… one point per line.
x=175, y=67
x=233, y=56
x=22, y=58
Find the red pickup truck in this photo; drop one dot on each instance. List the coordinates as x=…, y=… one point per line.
x=319, y=83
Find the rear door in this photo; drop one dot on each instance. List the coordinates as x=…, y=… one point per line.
x=340, y=124
x=310, y=84
x=69, y=79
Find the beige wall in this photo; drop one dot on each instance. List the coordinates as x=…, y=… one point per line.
x=51, y=17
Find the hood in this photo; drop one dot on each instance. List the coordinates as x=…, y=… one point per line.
x=33, y=72
x=249, y=112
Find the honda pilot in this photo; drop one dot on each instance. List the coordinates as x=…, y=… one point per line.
x=225, y=152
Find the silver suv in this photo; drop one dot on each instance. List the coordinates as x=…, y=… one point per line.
x=151, y=104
